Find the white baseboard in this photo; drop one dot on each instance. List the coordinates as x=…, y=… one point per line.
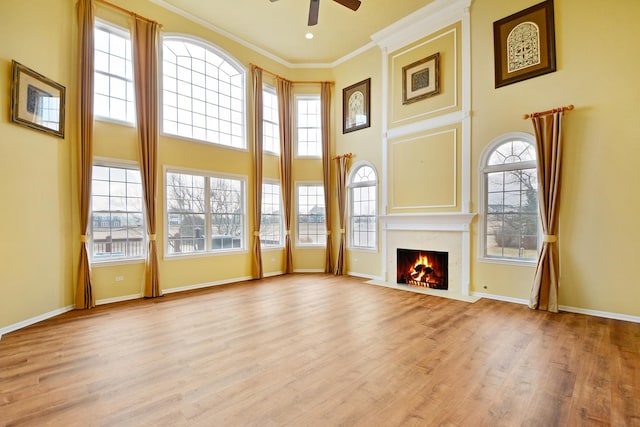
x=605, y=314
x=309, y=270
x=205, y=285
x=501, y=298
x=118, y=299
x=569, y=309
x=274, y=273
x=35, y=319
x=364, y=276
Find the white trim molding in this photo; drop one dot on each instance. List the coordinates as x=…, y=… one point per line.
x=445, y=225
x=33, y=320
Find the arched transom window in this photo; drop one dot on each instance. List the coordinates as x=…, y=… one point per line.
x=203, y=93
x=363, y=220
x=510, y=189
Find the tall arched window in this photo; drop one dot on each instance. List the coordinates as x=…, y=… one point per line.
x=509, y=187
x=363, y=207
x=203, y=93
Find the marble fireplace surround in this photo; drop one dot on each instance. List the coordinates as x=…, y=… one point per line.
x=444, y=232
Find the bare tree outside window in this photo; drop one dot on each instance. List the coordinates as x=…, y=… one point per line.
x=204, y=213
x=512, y=202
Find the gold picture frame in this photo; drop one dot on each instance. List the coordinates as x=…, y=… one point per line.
x=421, y=79
x=356, y=106
x=524, y=44
x=36, y=101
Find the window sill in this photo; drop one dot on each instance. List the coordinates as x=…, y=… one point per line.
x=179, y=256
x=307, y=246
x=362, y=249
x=508, y=261
x=116, y=261
x=114, y=121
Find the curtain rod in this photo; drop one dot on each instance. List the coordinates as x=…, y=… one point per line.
x=348, y=156
x=280, y=77
x=127, y=11
x=544, y=113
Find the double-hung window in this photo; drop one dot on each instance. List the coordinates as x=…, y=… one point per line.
x=203, y=93
x=117, y=217
x=509, y=185
x=308, y=128
x=270, y=121
x=205, y=213
x=271, y=221
x=114, y=97
x=312, y=227
x=363, y=221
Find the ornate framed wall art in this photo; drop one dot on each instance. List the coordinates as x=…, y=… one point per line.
x=356, y=106
x=36, y=101
x=421, y=79
x=524, y=44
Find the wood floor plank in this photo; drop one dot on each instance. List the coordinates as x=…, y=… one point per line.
x=319, y=350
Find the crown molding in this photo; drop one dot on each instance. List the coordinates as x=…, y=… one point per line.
x=430, y=18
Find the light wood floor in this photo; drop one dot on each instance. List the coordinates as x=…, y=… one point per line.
x=319, y=350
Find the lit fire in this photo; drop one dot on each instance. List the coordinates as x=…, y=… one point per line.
x=421, y=269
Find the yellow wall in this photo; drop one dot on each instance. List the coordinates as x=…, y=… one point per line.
x=597, y=72
x=35, y=185
x=598, y=233
x=365, y=144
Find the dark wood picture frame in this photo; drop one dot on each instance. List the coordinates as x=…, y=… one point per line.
x=421, y=79
x=534, y=54
x=36, y=101
x=356, y=106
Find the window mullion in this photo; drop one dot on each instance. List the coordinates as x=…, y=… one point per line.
x=207, y=219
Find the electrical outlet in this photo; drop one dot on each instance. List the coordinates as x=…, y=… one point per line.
x=119, y=278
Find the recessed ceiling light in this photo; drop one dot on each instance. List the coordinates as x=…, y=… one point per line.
x=309, y=36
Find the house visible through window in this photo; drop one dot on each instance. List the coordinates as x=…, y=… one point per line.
x=117, y=221
x=203, y=93
x=204, y=213
x=309, y=131
x=363, y=208
x=271, y=223
x=312, y=228
x=113, y=79
x=511, y=220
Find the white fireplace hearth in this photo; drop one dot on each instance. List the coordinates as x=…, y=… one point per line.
x=443, y=232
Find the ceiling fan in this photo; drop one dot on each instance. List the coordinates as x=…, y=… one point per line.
x=315, y=6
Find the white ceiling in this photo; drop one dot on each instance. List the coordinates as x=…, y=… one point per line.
x=279, y=28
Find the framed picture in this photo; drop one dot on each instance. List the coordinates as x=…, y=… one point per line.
x=36, y=101
x=524, y=44
x=421, y=79
x=356, y=106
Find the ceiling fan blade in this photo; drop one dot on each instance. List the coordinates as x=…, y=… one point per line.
x=314, y=7
x=351, y=4
x=273, y=1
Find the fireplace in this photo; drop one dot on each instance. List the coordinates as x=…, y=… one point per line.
x=427, y=269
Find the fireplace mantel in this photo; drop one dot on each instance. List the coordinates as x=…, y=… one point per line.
x=447, y=232
x=428, y=222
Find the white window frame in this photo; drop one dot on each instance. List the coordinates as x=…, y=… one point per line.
x=280, y=245
x=129, y=99
x=117, y=164
x=350, y=187
x=483, y=170
x=208, y=250
x=300, y=243
x=307, y=97
x=212, y=124
x=273, y=149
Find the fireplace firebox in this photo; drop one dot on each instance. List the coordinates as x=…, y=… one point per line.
x=427, y=269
